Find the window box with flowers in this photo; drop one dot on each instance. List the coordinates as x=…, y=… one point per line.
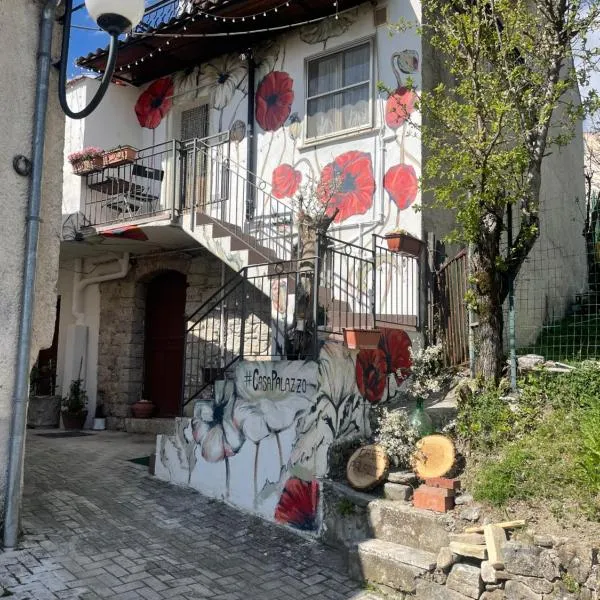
x=123, y=155
x=87, y=160
x=401, y=241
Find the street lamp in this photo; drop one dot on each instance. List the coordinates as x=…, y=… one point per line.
x=113, y=16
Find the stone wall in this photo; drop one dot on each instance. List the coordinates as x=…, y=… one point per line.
x=122, y=313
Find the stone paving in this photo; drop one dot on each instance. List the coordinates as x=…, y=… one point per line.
x=97, y=526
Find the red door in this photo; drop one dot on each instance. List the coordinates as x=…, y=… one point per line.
x=164, y=342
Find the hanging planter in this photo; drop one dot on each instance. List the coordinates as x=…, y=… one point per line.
x=87, y=160
x=400, y=241
x=362, y=339
x=123, y=155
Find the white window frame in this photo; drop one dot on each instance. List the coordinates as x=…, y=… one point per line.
x=308, y=141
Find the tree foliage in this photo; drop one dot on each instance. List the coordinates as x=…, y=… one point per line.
x=508, y=99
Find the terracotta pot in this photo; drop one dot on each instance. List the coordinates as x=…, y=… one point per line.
x=74, y=420
x=120, y=156
x=362, y=339
x=143, y=409
x=89, y=165
x=403, y=242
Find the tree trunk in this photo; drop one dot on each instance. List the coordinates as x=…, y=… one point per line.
x=487, y=300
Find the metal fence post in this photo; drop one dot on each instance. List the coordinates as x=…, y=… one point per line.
x=511, y=309
x=316, y=284
x=243, y=324
x=374, y=280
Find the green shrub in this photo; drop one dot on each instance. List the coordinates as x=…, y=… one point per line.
x=588, y=459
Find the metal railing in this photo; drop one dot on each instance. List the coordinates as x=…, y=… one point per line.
x=249, y=317
x=163, y=11
x=225, y=191
x=148, y=186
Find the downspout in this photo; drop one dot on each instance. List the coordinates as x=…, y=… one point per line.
x=16, y=451
x=79, y=283
x=251, y=143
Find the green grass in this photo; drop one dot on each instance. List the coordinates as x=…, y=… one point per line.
x=544, y=446
x=575, y=338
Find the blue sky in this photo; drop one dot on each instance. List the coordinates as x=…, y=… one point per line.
x=83, y=41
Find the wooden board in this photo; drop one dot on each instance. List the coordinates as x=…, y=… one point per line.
x=504, y=525
x=368, y=467
x=495, y=537
x=434, y=457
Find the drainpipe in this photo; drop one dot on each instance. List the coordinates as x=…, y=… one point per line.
x=14, y=483
x=79, y=283
x=251, y=143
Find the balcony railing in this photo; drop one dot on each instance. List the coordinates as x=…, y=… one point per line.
x=162, y=12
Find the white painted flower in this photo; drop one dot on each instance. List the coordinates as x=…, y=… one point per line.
x=222, y=77
x=337, y=373
x=271, y=399
x=213, y=425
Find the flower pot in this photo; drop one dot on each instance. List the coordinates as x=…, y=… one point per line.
x=99, y=424
x=88, y=165
x=143, y=409
x=120, y=156
x=403, y=242
x=362, y=339
x=74, y=420
x=44, y=412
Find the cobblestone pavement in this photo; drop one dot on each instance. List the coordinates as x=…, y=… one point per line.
x=97, y=526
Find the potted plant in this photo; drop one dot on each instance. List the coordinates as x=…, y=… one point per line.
x=402, y=241
x=122, y=155
x=361, y=339
x=142, y=409
x=86, y=161
x=74, y=406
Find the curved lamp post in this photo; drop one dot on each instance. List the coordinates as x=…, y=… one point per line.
x=113, y=16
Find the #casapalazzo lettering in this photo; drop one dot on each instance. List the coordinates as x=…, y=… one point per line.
x=274, y=383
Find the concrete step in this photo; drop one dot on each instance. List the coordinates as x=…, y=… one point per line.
x=392, y=565
x=403, y=524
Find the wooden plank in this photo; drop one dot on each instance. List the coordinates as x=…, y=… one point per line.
x=504, y=525
x=495, y=537
x=472, y=550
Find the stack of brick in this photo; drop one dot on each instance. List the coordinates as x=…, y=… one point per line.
x=436, y=494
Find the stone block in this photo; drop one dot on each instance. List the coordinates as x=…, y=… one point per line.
x=465, y=579
x=403, y=477
x=428, y=590
x=515, y=590
x=446, y=558
x=493, y=595
x=491, y=575
x=576, y=559
x=471, y=550
x=538, y=584
x=397, y=491
x=522, y=559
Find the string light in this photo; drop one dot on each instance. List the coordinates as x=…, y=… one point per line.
x=220, y=34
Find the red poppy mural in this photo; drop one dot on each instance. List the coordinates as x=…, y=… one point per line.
x=402, y=185
x=395, y=345
x=285, y=181
x=154, y=103
x=347, y=184
x=399, y=106
x=298, y=504
x=274, y=98
x=371, y=374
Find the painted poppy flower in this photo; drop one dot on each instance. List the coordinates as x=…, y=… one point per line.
x=274, y=98
x=347, y=184
x=395, y=345
x=399, y=106
x=222, y=77
x=285, y=181
x=371, y=374
x=401, y=183
x=154, y=103
x=298, y=504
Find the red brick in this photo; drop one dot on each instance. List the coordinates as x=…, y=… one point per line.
x=436, y=499
x=443, y=482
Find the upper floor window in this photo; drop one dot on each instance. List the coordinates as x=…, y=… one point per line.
x=339, y=92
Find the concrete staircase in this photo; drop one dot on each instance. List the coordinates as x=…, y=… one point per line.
x=390, y=545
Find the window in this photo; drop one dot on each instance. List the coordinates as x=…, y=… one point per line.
x=339, y=92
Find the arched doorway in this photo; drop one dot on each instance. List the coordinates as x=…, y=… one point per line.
x=164, y=342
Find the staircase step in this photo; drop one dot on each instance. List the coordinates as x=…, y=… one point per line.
x=389, y=564
x=402, y=523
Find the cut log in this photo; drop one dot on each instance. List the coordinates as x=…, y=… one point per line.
x=495, y=537
x=504, y=525
x=367, y=468
x=434, y=457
